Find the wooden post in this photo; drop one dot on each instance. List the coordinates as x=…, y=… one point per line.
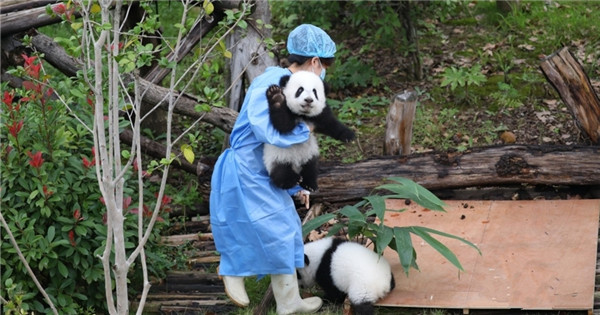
x=573, y=85
x=399, y=122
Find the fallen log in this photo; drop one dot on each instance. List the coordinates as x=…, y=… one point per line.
x=19, y=21
x=482, y=166
x=19, y=5
x=569, y=79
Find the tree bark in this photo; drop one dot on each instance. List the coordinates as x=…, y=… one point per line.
x=249, y=54
x=569, y=79
x=19, y=5
x=19, y=21
x=399, y=122
x=488, y=166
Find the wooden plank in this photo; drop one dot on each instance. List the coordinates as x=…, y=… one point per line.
x=535, y=255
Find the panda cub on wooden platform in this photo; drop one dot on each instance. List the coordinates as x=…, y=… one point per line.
x=300, y=97
x=343, y=268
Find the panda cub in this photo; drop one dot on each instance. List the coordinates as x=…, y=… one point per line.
x=300, y=97
x=343, y=268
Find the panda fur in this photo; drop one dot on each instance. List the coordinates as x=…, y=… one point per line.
x=300, y=97
x=343, y=268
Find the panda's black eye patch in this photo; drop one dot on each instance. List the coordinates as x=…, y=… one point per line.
x=315, y=93
x=299, y=91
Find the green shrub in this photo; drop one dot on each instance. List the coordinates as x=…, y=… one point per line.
x=50, y=198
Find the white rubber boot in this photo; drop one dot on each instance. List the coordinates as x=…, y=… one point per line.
x=287, y=296
x=236, y=291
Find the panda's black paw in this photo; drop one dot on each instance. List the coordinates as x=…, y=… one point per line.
x=275, y=96
x=347, y=135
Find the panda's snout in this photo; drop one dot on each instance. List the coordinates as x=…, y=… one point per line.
x=307, y=103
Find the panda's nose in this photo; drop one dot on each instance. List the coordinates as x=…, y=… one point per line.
x=307, y=102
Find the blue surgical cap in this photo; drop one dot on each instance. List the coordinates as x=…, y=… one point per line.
x=310, y=41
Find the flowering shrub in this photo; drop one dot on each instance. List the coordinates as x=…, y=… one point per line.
x=50, y=198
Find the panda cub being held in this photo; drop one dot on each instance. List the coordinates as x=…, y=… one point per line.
x=300, y=97
x=343, y=268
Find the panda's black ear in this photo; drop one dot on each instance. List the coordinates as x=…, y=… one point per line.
x=284, y=80
x=306, y=261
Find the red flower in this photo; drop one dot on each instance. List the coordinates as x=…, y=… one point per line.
x=15, y=128
x=36, y=159
x=59, y=8
x=32, y=69
x=8, y=98
x=147, y=213
x=87, y=163
x=72, y=238
x=126, y=202
x=32, y=86
x=77, y=215
x=47, y=192
x=135, y=168
x=164, y=202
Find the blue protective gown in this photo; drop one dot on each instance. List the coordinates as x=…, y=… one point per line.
x=255, y=225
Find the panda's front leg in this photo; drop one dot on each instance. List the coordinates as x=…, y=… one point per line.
x=283, y=175
x=281, y=117
x=309, y=174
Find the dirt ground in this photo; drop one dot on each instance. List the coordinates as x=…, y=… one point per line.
x=543, y=120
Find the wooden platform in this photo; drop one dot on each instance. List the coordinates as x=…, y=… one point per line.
x=536, y=255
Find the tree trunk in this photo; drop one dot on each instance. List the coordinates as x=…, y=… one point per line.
x=399, y=122
x=413, y=42
x=569, y=79
x=249, y=54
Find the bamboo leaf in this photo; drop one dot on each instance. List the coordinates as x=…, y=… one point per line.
x=316, y=222
x=429, y=230
x=385, y=235
x=437, y=245
x=415, y=192
x=378, y=204
x=404, y=248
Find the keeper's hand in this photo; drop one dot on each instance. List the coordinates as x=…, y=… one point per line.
x=304, y=197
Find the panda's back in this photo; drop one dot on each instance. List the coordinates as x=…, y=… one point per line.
x=360, y=272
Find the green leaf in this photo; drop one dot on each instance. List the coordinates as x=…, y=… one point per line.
x=32, y=195
x=316, y=222
x=353, y=214
x=378, y=204
x=404, y=248
x=430, y=230
x=95, y=8
x=437, y=245
x=62, y=269
x=385, y=235
x=415, y=192
x=188, y=152
x=209, y=8
x=50, y=234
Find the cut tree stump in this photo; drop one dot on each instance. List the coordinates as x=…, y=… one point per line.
x=399, y=122
x=569, y=79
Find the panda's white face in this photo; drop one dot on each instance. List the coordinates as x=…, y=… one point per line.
x=305, y=93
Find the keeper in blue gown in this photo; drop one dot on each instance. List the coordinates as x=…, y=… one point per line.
x=256, y=228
